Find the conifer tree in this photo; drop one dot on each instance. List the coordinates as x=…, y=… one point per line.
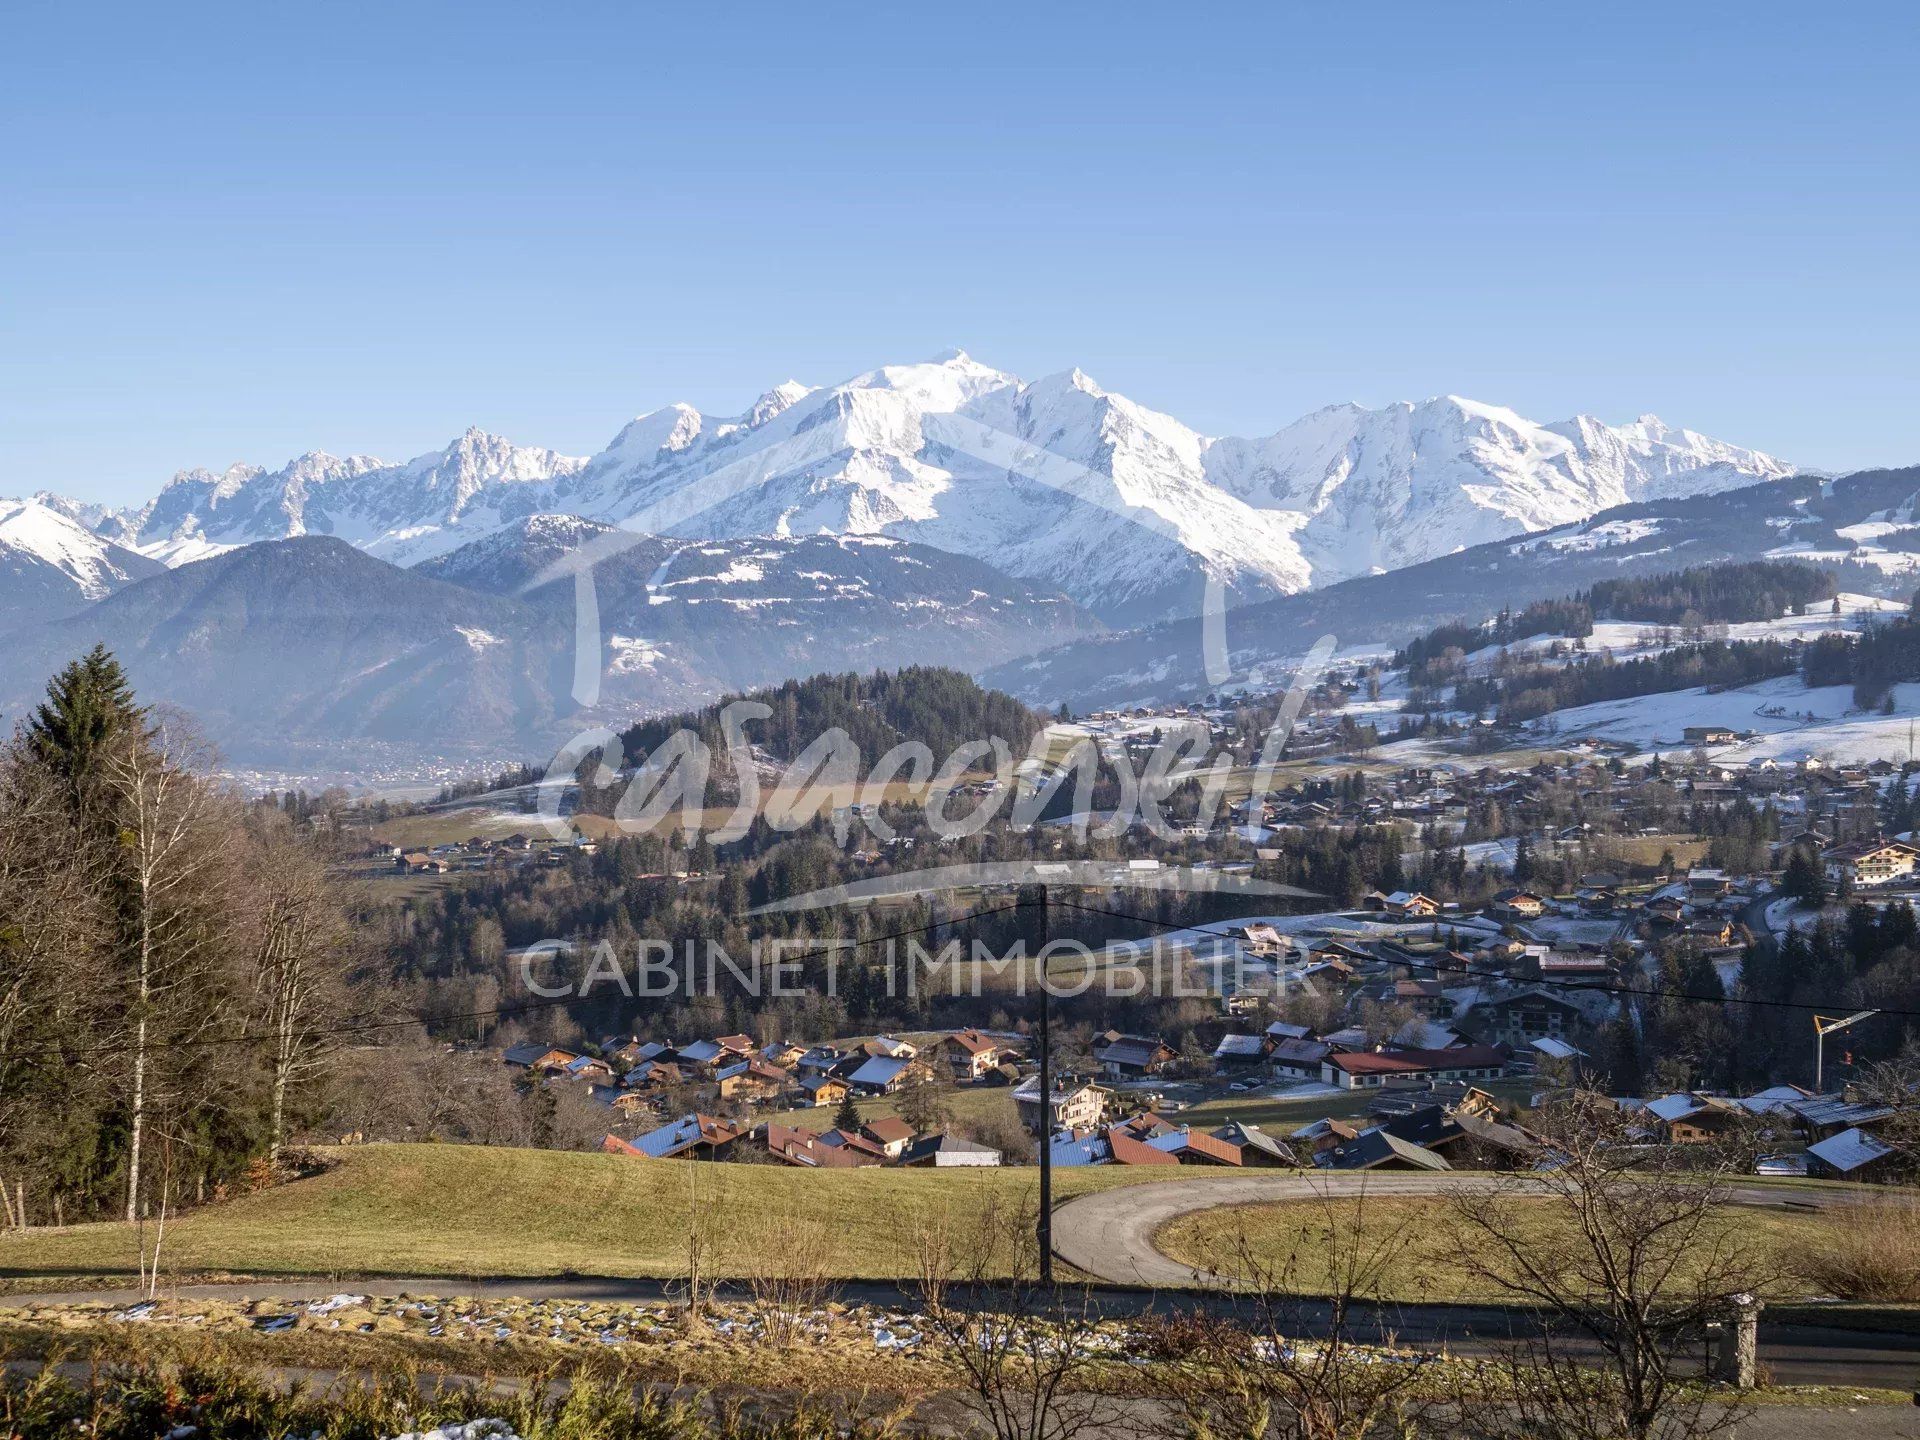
x=89, y=706
x=847, y=1118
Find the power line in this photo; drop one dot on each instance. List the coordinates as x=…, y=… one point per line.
x=533, y=1006
x=530, y=1006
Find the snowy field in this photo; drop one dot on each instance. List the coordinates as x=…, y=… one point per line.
x=1815, y=722
x=1628, y=640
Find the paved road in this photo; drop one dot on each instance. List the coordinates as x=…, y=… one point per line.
x=1109, y=1235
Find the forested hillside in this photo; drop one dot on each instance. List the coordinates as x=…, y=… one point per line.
x=1702, y=595
x=942, y=709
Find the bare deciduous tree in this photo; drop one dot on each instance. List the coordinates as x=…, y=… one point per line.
x=1026, y=1357
x=299, y=956
x=1627, y=1254
x=1296, y=1366
x=174, y=832
x=792, y=1279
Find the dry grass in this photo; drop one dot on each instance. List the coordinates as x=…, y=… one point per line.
x=479, y=1211
x=1299, y=1232
x=1873, y=1255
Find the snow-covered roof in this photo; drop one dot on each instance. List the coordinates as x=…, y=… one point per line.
x=1238, y=1045
x=1555, y=1049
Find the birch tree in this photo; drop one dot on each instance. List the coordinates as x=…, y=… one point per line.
x=175, y=857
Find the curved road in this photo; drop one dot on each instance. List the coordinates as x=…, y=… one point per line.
x=1109, y=1234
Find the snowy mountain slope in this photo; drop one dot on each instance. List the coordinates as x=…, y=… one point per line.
x=283, y=648
x=1056, y=481
x=745, y=611
x=1376, y=490
x=402, y=513
x=51, y=564
x=1864, y=527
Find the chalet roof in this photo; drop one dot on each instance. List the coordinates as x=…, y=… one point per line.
x=1239, y=1045
x=1425, y=1035
x=1129, y=1151
x=1376, y=1147
x=1129, y=1050
x=1081, y=1150
x=803, y=1147
x=879, y=1070
x=930, y=1145
x=1197, y=1142
x=1301, y=1052
x=1825, y=1110
x=1252, y=1137
x=888, y=1130
x=684, y=1134
x=1424, y=1125
x=1411, y=1061
x=1319, y=1129
x=1860, y=849
x=1774, y=1099
x=1849, y=1150
x=972, y=1041
x=1497, y=1134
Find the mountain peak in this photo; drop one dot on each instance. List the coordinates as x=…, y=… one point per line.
x=1058, y=481
x=781, y=397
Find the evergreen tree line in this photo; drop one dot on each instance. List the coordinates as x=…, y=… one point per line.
x=171, y=960
x=1872, y=662
x=1527, y=692
x=941, y=708
x=1701, y=595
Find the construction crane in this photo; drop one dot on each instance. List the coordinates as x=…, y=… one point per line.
x=1823, y=1026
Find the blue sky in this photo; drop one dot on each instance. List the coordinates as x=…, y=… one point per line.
x=237, y=234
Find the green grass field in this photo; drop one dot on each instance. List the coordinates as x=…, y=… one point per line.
x=483, y=1211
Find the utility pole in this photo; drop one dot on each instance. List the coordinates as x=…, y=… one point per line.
x=1823, y=1026
x=1046, y=1102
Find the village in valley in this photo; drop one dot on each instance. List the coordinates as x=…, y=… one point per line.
x=1414, y=1029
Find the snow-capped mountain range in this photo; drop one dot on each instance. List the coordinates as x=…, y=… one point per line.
x=1055, y=481
x=52, y=563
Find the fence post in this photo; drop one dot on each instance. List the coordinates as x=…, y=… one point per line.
x=1737, y=1356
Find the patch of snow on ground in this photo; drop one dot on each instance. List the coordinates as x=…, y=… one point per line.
x=1818, y=722
x=489, y=1429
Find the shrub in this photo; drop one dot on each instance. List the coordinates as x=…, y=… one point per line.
x=1871, y=1254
